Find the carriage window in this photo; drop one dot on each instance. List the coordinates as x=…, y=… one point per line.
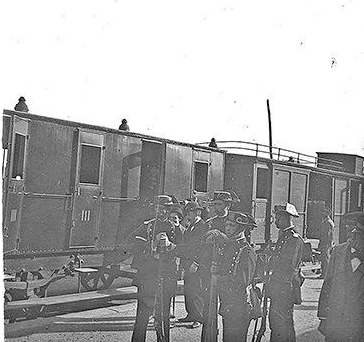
x=90, y=164
x=201, y=176
x=262, y=183
x=18, y=157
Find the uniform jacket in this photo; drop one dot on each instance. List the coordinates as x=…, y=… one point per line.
x=284, y=264
x=143, y=258
x=193, y=237
x=342, y=298
x=236, y=266
x=217, y=222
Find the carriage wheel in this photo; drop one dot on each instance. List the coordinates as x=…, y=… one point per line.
x=100, y=280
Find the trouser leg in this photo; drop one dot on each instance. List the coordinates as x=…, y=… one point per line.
x=141, y=321
x=193, y=299
x=324, y=260
x=158, y=318
x=235, y=328
x=281, y=320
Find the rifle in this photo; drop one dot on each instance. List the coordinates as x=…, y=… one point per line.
x=210, y=327
x=263, y=324
x=159, y=298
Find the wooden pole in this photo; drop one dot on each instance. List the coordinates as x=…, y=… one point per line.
x=270, y=131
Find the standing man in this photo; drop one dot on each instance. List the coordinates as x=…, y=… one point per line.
x=221, y=202
x=284, y=283
x=193, y=238
x=147, y=255
x=236, y=265
x=326, y=240
x=341, y=302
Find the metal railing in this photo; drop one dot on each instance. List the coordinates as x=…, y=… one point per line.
x=278, y=153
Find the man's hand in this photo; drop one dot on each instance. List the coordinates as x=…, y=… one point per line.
x=193, y=267
x=161, y=240
x=215, y=235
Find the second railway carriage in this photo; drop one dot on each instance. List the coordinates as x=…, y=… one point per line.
x=330, y=180
x=71, y=188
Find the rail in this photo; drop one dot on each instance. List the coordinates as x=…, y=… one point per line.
x=278, y=153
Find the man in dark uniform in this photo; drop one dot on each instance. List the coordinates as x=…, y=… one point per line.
x=124, y=126
x=341, y=302
x=236, y=265
x=221, y=202
x=284, y=283
x=21, y=106
x=326, y=240
x=192, y=237
x=146, y=260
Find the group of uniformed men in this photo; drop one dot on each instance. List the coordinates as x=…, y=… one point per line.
x=180, y=237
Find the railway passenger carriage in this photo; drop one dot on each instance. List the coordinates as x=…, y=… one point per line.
x=71, y=188
x=330, y=180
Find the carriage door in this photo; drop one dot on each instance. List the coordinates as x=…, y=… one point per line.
x=15, y=184
x=261, y=192
x=201, y=176
x=151, y=183
x=88, y=190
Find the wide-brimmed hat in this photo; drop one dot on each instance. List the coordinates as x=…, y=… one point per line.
x=355, y=216
x=241, y=218
x=287, y=208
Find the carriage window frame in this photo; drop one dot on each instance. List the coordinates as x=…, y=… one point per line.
x=81, y=180
x=18, y=157
x=262, y=183
x=200, y=176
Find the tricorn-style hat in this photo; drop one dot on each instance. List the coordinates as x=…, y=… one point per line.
x=355, y=216
x=175, y=208
x=192, y=206
x=163, y=200
x=237, y=217
x=241, y=218
x=226, y=196
x=287, y=208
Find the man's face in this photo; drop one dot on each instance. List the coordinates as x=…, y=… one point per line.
x=231, y=227
x=355, y=232
x=191, y=215
x=220, y=206
x=282, y=220
x=174, y=218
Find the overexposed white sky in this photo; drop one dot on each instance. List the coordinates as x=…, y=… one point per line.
x=191, y=70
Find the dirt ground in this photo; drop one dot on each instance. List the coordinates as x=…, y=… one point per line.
x=115, y=323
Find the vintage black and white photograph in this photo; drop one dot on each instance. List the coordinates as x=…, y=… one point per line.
x=182, y=171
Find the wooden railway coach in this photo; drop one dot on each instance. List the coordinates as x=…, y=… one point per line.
x=73, y=188
x=331, y=180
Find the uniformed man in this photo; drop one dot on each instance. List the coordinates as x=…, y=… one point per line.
x=221, y=202
x=326, y=240
x=124, y=126
x=147, y=256
x=284, y=283
x=341, y=302
x=192, y=237
x=236, y=265
x=21, y=106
